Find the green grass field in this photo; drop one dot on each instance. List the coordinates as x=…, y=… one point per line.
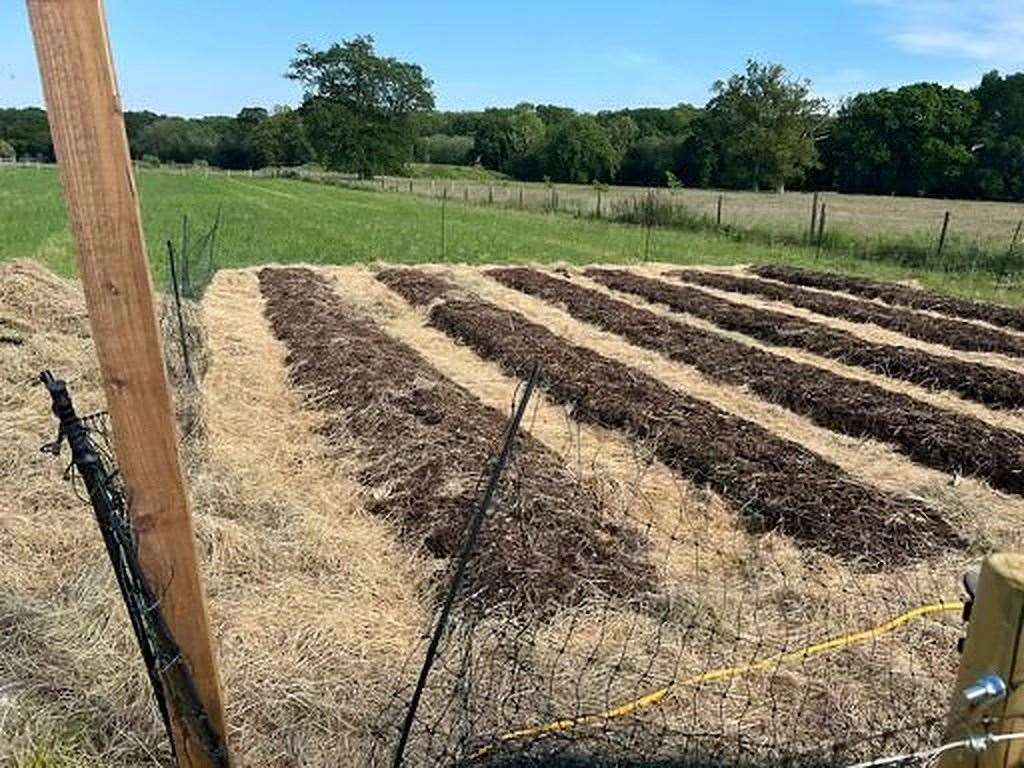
x=279, y=220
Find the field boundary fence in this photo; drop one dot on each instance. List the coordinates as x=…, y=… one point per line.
x=957, y=236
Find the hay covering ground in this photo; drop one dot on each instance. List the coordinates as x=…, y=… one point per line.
x=317, y=605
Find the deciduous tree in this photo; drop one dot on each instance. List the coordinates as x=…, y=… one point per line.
x=359, y=108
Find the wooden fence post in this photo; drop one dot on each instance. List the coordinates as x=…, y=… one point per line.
x=444, y=233
x=994, y=646
x=87, y=126
x=821, y=228
x=718, y=213
x=1014, y=239
x=942, y=236
x=814, y=218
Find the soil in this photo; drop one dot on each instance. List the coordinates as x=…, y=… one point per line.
x=991, y=386
x=426, y=446
x=775, y=484
x=900, y=295
x=945, y=440
x=950, y=333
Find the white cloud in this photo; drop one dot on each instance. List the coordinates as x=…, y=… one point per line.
x=988, y=31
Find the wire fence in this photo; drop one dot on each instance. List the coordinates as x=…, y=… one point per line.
x=960, y=236
x=732, y=662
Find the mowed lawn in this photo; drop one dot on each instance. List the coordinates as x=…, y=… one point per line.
x=285, y=221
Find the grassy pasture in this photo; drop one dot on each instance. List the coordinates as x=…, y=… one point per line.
x=286, y=221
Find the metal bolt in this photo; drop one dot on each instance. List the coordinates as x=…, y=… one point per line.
x=985, y=690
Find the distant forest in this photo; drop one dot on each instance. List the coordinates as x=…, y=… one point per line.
x=762, y=129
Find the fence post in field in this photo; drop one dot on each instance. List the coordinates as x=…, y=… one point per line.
x=994, y=648
x=520, y=198
x=718, y=213
x=599, y=202
x=1014, y=239
x=444, y=234
x=490, y=195
x=87, y=126
x=814, y=218
x=821, y=228
x=942, y=236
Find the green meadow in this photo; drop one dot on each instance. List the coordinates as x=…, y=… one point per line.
x=269, y=220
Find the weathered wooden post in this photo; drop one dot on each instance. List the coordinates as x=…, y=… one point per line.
x=1013, y=240
x=942, y=236
x=814, y=218
x=444, y=234
x=718, y=213
x=87, y=126
x=989, y=698
x=821, y=228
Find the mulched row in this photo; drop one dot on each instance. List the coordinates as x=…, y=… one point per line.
x=945, y=440
x=426, y=446
x=994, y=387
x=900, y=295
x=951, y=333
x=774, y=484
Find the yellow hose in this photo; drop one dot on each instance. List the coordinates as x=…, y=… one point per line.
x=724, y=673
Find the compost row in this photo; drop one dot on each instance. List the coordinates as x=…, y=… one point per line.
x=774, y=483
x=995, y=387
x=986, y=384
x=935, y=437
x=951, y=333
x=900, y=295
x=426, y=445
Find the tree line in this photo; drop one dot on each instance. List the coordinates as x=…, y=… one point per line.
x=762, y=129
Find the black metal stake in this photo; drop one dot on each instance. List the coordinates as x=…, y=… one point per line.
x=472, y=533
x=181, y=319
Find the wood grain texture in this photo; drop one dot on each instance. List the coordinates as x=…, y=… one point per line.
x=995, y=645
x=89, y=137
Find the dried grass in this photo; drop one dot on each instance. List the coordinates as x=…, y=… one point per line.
x=316, y=607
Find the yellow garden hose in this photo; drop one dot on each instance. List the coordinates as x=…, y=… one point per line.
x=724, y=673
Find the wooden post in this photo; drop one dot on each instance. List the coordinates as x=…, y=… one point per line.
x=1014, y=239
x=465, y=194
x=942, y=235
x=444, y=234
x=87, y=126
x=993, y=647
x=821, y=228
x=490, y=195
x=599, y=202
x=718, y=214
x=520, y=198
x=814, y=218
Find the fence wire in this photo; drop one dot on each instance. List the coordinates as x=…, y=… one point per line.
x=745, y=653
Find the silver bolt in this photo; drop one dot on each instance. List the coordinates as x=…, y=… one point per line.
x=985, y=690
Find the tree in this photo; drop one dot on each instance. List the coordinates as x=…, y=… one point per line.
x=763, y=126
x=579, y=151
x=445, y=148
x=912, y=141
x=28, y=132
x=998, y=137
x=6, y=151
x=504, y=137
x=359, y=108
x=177, y=140
x=280, y=140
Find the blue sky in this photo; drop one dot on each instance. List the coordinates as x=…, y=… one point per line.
x=196, y=57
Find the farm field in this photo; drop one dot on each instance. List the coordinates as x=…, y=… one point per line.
x=722, y=468
x=288, y=221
